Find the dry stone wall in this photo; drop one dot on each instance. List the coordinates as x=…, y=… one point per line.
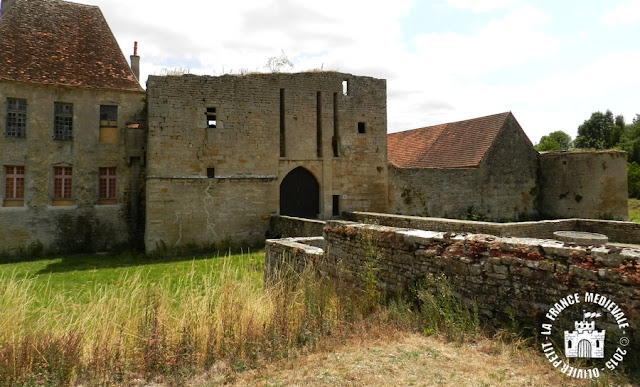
x=505, y=277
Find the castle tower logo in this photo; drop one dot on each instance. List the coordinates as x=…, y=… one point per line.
x=585, y=341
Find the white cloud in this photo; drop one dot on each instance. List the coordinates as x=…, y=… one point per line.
x=480, y=6
x=626, y=13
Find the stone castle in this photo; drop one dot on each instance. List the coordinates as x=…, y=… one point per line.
x=91, y=161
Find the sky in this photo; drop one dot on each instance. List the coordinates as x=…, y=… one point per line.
x=551, y=63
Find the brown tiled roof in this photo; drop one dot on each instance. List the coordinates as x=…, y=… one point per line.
x=460, y=144
x=55, y=42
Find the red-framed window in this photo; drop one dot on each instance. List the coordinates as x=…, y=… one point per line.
x=62, y=183
x=107, y=189
x=14, y=182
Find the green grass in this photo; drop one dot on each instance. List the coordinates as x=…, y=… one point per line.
x=634, y=210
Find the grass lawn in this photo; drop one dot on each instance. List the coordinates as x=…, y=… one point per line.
x=634, y=210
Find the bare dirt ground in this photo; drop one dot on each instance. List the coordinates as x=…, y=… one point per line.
x=409, y=359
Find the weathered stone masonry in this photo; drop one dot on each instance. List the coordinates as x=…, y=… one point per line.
x=208, y=185
x=522, y=276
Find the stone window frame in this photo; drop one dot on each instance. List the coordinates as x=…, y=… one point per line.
x=62, y=121
x=14, y=185
x=107, y=185
x=62, y=184
x=16, y=118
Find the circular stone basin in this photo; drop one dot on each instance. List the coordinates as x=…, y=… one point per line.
x=582, y=238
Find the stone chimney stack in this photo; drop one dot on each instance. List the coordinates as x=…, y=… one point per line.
x=135, y=61
x=4, y=7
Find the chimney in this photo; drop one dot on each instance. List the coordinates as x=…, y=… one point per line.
x=135, y=61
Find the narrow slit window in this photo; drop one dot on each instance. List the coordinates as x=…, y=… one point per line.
x=16, y=118
x=283, y=144
x=336, y=135
x=212, y=122
x=361, y=127
x=319, y=124
x=345, y=87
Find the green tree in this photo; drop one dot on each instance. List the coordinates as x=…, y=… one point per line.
x=630, y=140
x=598, y=132
x=554, y=141
x=633, y=179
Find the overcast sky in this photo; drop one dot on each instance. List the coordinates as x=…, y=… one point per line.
x=552, y=63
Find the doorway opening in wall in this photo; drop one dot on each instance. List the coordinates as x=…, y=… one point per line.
x=300, y=194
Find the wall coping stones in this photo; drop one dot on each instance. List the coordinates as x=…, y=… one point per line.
x=581, y=237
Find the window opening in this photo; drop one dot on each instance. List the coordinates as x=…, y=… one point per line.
x=212, y=122
x=335, y=139
x=62, y=183
x=211, y=173
x=361, y=127
x=63, y=121
x=107, y=192
x=336, y=205
x=319, y=123
x=14, y=186
x=108, y=116
x=345, y=87
x=16, y=118
x=283, y=143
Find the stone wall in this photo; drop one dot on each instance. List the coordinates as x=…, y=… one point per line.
x=616, y=231
x=81, y=224
x=290, y=226
x=267, y=125
x=590, y=184
x=523, y=277
x=502, y=187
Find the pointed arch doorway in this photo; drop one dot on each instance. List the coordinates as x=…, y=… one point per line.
x=300, y=194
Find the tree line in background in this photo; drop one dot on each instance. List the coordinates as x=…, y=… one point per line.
x=603, y=131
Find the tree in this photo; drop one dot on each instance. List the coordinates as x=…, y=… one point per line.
x=630, y=140
x=276, y=63
x=598, y=132
x=554, y=141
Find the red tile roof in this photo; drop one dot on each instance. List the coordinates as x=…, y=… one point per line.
x=460, y=144
x=55, y=42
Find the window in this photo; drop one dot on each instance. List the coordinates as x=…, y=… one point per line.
x=361, y=127
x=345, y=87
x=211, y=173
x=14, y=186
x=16, y=118
x=62, y=186
x=63, y=121
x=336, y=205
x=107, y=192
x=211, y=117
x=283, y=138
x=108, y=116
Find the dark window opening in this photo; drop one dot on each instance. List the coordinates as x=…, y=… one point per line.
x=361, y=127
x=16, y=118
x=63, y=121
x=569, y=344
x=211, y=117
x=211, y=173
x=108, y=116
x=283, y=144
x=336, y=205
x=335, y=139
x=597, y=343
x=345, y=87
x=319, y=124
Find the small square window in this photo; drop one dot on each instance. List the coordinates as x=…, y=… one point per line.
x=211, y=117
x=211, y=173
x=361, y=127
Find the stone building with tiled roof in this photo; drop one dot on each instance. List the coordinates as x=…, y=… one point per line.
x=67, y=93
x=487, y=168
